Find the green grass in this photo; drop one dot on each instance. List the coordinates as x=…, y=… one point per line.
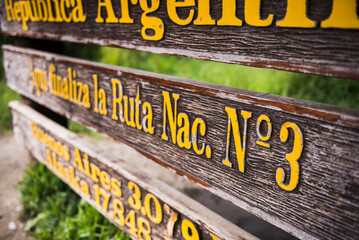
x=6, y=95
x=82, y=130
x=53, y=211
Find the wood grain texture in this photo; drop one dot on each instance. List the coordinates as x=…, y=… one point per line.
x=323, y=205
x=204, y=219
x=330, y=52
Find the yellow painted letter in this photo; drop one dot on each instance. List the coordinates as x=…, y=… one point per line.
x=117, y=100
x=111, y=18
x=9, y=10
x=292, y=157
x=252, y=14
x=183, y=131
x=172, y=6
x=343, y=15
x=204, y=16
x=125, y=12
x=198, y=122
x=148, y=118
x=240, y=143
x=172, y=118
x=151, y=23
x=296, y=15
x=229, y=17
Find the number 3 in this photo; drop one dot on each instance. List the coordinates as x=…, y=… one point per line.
x=135, y=200
x=292, y=157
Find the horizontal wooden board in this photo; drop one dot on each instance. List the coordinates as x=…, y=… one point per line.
x=156, y=210
x=319, y=37
x=315, y=145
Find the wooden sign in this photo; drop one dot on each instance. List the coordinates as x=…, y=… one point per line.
x=288, y=161
x=320, y=37
x=143, y=207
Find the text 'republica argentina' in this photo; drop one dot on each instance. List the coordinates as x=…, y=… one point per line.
x=343, y=14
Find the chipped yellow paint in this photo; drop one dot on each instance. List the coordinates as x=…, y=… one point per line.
x=183, y=131
x=292, y=157
x=152, y=23
x=264, y=139
x=128, y=109
x=198, y=123
x=117, y=100
x=204, y=17
x=172, y=220
x=172, y=116
x=239, y=142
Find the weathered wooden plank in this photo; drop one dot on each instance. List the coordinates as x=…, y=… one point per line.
x=45, y=46
x=319, y=37
x=316, y=145
x=157, y=211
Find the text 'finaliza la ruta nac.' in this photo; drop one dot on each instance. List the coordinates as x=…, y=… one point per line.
x=187, y=12
x=175, y=125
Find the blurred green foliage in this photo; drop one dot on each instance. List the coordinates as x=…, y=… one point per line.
x=6, y=94
x=82, y=130
x=53, y=211
x=332, y=91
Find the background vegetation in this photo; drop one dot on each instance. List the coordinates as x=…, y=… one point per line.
x=53, y=211
x=332, y=91
x=6, y=94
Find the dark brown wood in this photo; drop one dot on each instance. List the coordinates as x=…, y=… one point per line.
x=324, y=204
x=52, y=46
x=330, y=52
x=50, y=114
x=40, y=44
x=32, y=127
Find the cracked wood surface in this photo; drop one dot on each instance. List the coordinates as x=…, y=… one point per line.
x=329, y=52
x=327, y=190
x=175, y=206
